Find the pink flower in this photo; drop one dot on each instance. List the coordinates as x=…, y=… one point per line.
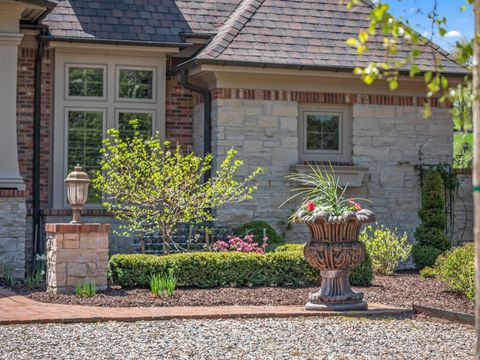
x=355, y=206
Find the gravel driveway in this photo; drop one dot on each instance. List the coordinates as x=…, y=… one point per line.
x=299, y=338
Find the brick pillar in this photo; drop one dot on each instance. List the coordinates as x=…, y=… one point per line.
x=76, y=253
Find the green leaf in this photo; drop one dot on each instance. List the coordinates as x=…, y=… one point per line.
x=363, y=36
x=428, y=76
x=393, y=84
x=353, y=42
x=414, y=70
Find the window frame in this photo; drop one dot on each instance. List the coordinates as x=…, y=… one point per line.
x=344, y=153
x=118, y=68
x=67, y=95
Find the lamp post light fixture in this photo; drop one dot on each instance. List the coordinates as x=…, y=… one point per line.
x=77, y=191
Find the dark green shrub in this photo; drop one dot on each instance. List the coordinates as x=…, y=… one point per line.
x=256, y=228
x=433, y=218
x=456, y=269
x=424, y=255
x=362, y=275
x=429, y=236
x=432, y=191
x=208, y=269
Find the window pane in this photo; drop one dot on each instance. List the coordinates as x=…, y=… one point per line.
x=135, y=84
x=85, y=135
x=85, y=81
x=323, y=132
x=144, y=123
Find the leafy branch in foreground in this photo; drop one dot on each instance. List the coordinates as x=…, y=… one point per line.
x=151, y=187
x=403, y=45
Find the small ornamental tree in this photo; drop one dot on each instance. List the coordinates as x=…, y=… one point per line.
x=151, y=187
x=430, y=234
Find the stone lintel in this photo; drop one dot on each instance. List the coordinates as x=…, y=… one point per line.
x=77, y=228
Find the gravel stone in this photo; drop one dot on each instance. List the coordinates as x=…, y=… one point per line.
x=292, y=338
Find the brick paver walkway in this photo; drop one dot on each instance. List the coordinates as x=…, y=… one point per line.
x=17, y=309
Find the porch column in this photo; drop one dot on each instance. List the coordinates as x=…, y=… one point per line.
x=9, y=40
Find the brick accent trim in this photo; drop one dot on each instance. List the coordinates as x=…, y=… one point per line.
x=4, y=193
x=321, y=97
x=77, y=228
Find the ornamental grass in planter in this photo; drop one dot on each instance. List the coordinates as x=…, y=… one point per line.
x=334, y=223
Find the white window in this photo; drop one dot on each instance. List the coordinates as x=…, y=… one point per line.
x=325, y=134
x=135, y=84
x=85, y=81
x=94, y=94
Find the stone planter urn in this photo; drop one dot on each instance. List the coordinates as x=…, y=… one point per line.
x=334, y=249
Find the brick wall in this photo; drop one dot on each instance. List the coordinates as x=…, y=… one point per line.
x=179, y=114
x=25, y=105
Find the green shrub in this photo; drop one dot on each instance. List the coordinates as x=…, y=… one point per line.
x=424, y=255
x=256, y=228
x=209, y=269
x=430, y=236
x=362, y=275
x=386, y=248
x=290, y=247
x=433, y=218
x=432, y=191
x=456, y=269
x=428, y=272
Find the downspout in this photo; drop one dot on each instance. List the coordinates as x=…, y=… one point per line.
x=37, y=114
x=207, y=113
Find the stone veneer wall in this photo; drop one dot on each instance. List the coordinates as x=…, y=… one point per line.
x=12, y=232
x=386, y=139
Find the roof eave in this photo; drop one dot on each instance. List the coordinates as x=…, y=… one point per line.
x=114, y=42
x=194, y=62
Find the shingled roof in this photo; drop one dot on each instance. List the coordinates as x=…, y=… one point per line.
x=306, y=33
x=284, y=33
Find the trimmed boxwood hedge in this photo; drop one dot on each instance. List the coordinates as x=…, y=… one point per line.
x=219, y=269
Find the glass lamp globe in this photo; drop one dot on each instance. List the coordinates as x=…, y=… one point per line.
x=77, y=191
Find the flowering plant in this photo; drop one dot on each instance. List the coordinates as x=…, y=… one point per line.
x=236, y=243
x=321, y=192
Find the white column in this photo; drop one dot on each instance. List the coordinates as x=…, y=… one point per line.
x=9, y=171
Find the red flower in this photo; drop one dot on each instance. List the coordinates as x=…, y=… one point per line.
x=310, y=205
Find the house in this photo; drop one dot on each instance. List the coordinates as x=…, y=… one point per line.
x=272, y=78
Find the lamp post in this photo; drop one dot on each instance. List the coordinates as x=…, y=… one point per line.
x=77, y=191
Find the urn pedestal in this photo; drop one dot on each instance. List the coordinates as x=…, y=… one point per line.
x=334, y=249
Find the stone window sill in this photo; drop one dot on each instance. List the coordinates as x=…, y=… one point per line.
x=350, y=175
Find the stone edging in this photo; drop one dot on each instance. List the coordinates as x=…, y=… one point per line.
x=454, y=316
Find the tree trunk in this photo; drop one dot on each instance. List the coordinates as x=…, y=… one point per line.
x=166, y=242
x=476, y=170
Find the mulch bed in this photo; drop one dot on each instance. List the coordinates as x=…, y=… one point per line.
x=399, y=290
